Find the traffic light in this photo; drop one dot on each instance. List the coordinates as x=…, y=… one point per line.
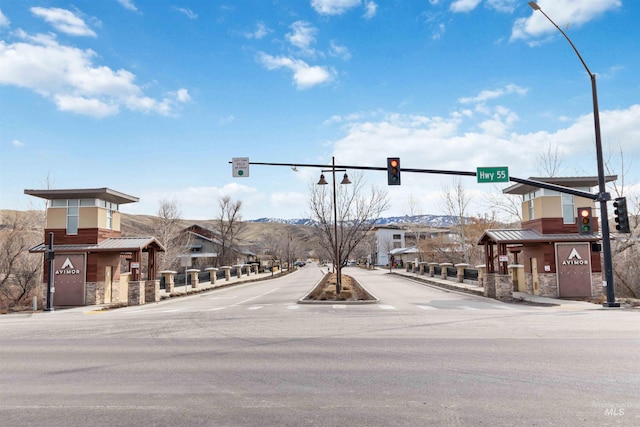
x=393, y=170
x=622, y=216
x=585, y=221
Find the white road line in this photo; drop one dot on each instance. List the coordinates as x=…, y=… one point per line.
x=257, y=296
x=174, y=310
x=293, y=307
x=466, y=307
x=427, y=307
x=503, y=307
x=339, y=306
x=230, y=297
x=386, y=307
x=255, y=307
x=216, y=308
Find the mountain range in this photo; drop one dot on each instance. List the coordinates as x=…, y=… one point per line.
x=424, y=220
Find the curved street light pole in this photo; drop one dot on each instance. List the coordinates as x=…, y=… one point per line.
x=603, y=196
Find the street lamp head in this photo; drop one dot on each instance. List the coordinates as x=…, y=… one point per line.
x=322, y=180
x=345, y=179
x=534, y=5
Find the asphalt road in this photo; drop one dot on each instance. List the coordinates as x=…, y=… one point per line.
x=249, y=355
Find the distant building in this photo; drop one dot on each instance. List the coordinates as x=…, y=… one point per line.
x=388, y=237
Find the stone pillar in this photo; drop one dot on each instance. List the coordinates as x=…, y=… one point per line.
x=193, y=274
x=169, y=280
x=460, y=273
x=490, y=285
x=443, y=269
x=227, y=272
x=238, y=271
x=424, y=267
x=256, y=268
x=504, y=287
x=248, y=267
x=152, y=291
x=432, y=268
x=212, y=274
x=136, y=293
x=482, y=272
x=516, y=271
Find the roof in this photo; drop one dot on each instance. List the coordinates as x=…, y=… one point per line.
x=114, y=244
x=533, y=236
x=401, y=251
x=570, y=182
x=84, y=193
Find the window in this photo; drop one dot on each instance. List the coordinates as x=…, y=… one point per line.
x=531, y=214
x=397, y=237
x=72, y=216
x=568, y=209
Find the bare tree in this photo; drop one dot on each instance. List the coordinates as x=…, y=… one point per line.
x=414, y=210
x=549, y=160
x=457, y=201
x=167, y=228
x=357, y=213
x=20, y=271
x=228, y=225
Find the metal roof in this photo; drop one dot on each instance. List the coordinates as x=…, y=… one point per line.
x=114, y=244
x=84, y=193
x=533, y=236
x=568, y=181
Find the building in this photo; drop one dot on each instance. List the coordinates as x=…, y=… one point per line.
x=83, y=227
x=558, y=261
x=388, y=237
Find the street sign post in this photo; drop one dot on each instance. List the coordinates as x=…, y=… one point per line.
x=493, y=174
x=240, y=167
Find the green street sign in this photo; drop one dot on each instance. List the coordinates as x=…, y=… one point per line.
x=497, y=174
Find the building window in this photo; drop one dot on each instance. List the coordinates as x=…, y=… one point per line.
x=397, y=237
x=531, y=214
x=568, y=209
x=73, y=209
x=109, y=224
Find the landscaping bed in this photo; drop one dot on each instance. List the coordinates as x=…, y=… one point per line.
x=326, y=290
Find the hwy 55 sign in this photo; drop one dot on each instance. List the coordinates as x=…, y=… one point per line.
x=495, y=174
x=240, y=167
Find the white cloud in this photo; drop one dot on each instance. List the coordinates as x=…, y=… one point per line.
x=460, y=6
x=187, y=12
x=67, y=76
x=333, y=7
x=370, y=9
x=339, y=51
x=64, y=21
x=128, y=4
x=564, y=13
x=487, y=95
x=304, y=75
x=302, y=36
x=507, y=6
x=260, y=32
x=17, y=143
x=4, y=21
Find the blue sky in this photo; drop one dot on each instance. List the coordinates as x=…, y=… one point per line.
x=154, y=98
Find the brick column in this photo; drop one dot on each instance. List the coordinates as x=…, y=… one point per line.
x=136, y=293
x=152, y=291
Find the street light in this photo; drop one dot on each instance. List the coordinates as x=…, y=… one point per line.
x=603, y=196
x=336, y=247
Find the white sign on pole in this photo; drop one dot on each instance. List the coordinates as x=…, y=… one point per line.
x=240, y=166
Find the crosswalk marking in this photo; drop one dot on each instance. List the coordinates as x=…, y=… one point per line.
x=427, y=307
x=293, y=307
x=255, y=307
x=386, y=307
x=466, y=307
x=339, y=306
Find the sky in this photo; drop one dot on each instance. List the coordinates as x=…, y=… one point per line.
x=153, y=98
